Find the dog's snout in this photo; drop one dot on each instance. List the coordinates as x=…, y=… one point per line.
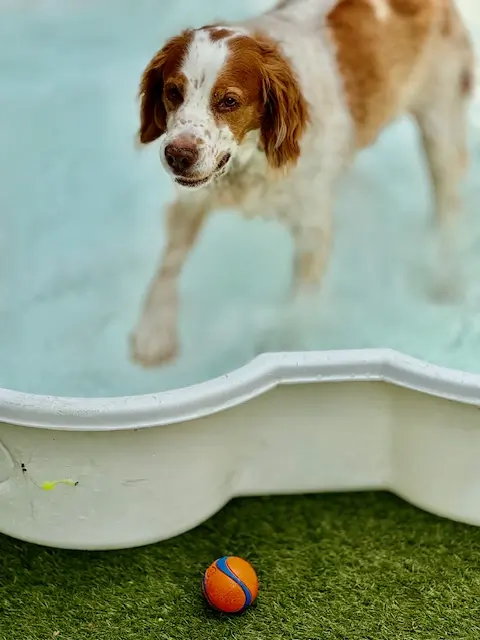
x=181, y=155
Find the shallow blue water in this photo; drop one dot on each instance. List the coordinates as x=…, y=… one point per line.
x=82, y=230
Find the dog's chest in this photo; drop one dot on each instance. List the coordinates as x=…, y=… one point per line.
x=254, y=191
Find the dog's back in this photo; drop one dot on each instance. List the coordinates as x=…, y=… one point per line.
x=388, y=53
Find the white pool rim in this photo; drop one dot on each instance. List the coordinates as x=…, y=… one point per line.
x=257, y=377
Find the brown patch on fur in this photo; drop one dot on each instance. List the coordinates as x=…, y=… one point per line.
x=241, y=80
x=163, y=67
x=409, y=7
x=376, y=57
x=467, y=83
x=268, y=98
x=446, y=26
x=219, y=33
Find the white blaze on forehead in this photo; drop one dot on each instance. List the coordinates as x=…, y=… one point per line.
x=203, y=64
x=206, y=58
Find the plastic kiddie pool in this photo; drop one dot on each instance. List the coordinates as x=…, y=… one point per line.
x=136, y=470
x=127, y=470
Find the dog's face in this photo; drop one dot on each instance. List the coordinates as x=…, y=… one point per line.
x=214, y=94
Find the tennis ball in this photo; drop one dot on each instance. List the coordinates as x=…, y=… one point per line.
x=230, y=584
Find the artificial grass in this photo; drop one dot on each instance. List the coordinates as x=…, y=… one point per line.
x=350, y=567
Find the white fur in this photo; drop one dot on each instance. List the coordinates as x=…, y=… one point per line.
x=381, y=8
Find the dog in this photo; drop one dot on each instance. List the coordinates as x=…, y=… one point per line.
x=265, y=115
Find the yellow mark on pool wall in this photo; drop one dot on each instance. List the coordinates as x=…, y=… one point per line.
x=49, y=485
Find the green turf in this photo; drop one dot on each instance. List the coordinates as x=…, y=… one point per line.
x=356, y=567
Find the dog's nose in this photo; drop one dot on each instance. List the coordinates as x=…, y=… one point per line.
x=181, y=156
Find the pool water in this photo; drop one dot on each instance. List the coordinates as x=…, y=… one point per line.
x=82, y=225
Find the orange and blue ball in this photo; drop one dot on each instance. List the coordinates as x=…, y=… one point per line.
x=230, y=584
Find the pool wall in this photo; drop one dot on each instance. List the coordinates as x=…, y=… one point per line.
x=123, y=472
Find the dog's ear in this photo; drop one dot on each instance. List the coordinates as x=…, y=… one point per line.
x=153, y=116
x=285, y=115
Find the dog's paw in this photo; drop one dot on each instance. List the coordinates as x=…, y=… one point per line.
x=446, y=289
x=153, y=343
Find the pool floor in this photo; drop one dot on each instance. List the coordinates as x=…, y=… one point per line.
x=82, y=225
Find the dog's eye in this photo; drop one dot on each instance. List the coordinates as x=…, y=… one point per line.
x=228, y=103
x=173, y=95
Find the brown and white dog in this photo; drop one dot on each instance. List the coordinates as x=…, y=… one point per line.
x=265, y=115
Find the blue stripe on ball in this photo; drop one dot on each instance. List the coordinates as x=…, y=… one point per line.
x=224, y=568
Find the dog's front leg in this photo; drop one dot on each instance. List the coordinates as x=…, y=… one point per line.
x=312, y=235
x=154, y=341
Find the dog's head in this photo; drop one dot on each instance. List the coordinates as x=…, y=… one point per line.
x=207, y=90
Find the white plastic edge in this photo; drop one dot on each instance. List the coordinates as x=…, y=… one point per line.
x=259, y=376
